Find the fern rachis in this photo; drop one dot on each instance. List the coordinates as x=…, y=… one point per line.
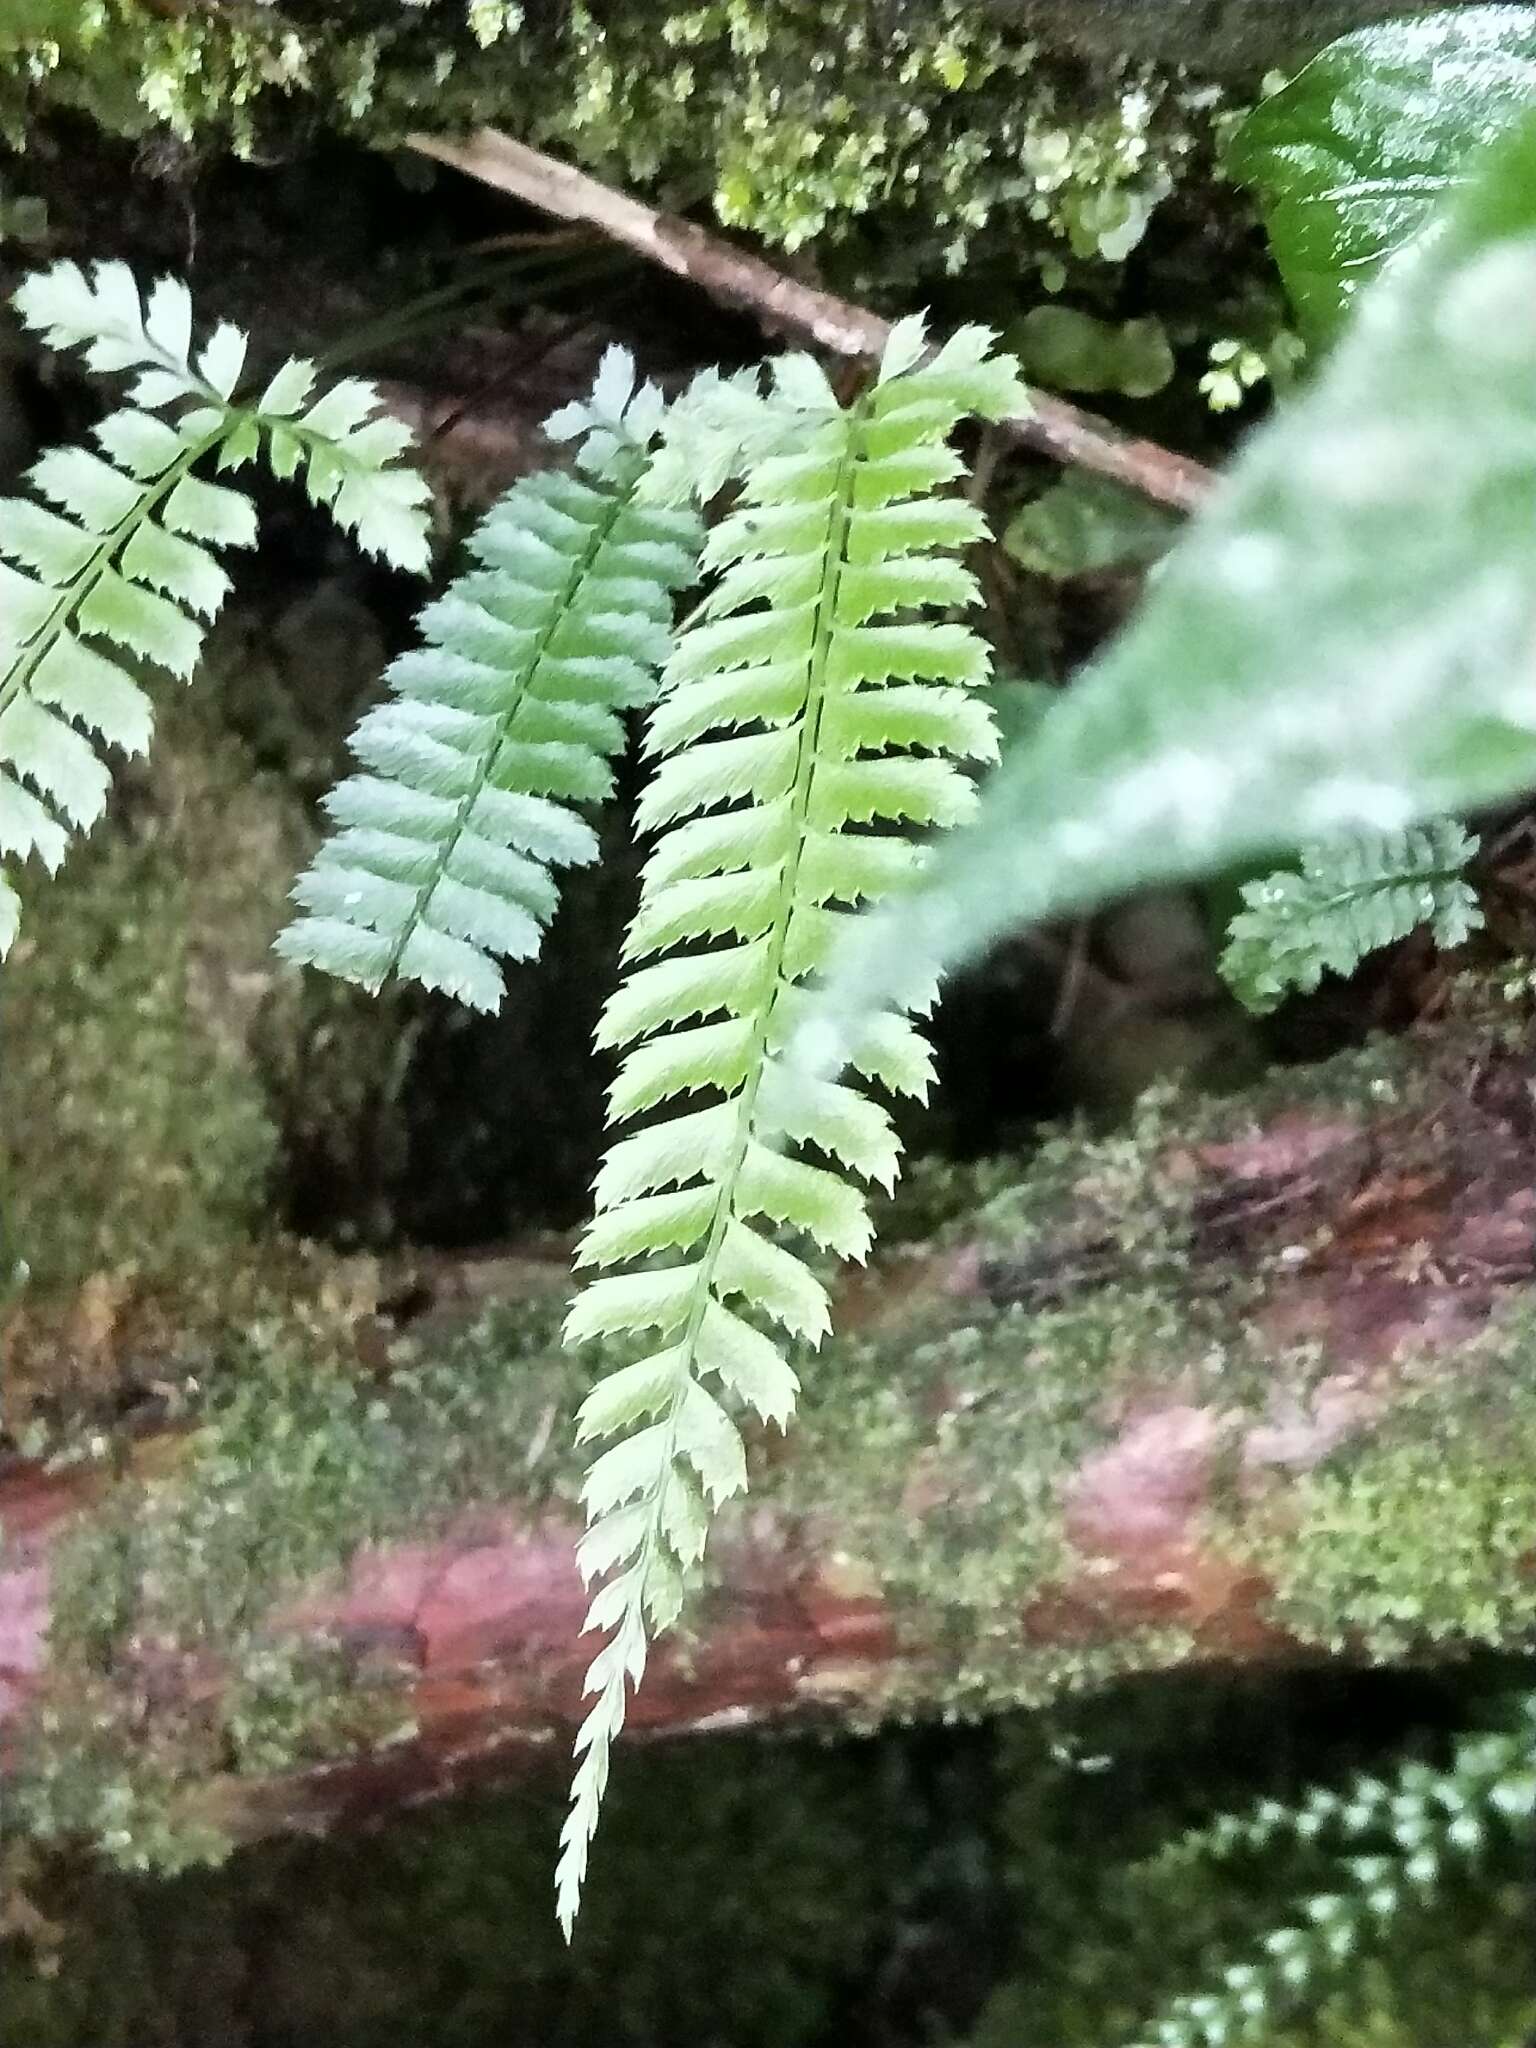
x=787, y=694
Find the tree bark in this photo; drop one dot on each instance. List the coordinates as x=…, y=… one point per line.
x=736, y=277
x=870, y=1572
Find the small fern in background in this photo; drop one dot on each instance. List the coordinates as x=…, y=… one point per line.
x=108, y=562
x=1351, y=897
x=504, y=720
x=809, y=721
x=1393, y=1841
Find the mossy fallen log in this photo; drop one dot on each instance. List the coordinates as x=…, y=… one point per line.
x=1246, y=1382
x=1070, y=119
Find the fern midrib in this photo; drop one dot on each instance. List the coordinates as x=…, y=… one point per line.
x=805, y=769
x=580, y=569
x=1380, y=885
x=1349, y=895
x=74, y=593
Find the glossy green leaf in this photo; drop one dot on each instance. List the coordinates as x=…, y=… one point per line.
x=1072, y=351
x=1083, y=523
x=1350, y=158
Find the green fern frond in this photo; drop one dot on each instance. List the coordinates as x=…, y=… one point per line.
x=349, y=452
x=1417, y=1826
x=504, y=721
x=1490, y=1777
x=1351, y=897
x=809, y=718
x=109, y=563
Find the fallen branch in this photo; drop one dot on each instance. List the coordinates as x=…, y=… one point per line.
x=982, y=1506
x=786, y=307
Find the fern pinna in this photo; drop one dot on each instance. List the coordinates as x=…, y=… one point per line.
x=507, y=717
x=809, y=719
x=121, y=570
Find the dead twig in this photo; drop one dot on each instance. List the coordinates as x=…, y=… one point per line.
x=784, y=306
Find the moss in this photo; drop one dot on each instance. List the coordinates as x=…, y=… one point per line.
x=1422, y=1538
x=166, y=1080
x=933, y=1464
x=293, y=1703
x=297, y=1463
x=735, y=1899
x=931, y=1455
x=87, y=1773
x=798, y=119
x=135, y=1129
x=774, y=1894
x=163, y=1070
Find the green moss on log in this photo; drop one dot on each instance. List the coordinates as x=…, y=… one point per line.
x=1421, y=1537
x=134, y=1127
x=931, y=1462
x=440, y=1932
x=796, y=118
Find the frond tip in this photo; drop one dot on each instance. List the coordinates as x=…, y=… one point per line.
x=440, y=866
x=810, y=718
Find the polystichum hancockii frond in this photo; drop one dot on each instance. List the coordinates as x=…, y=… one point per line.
x=810, y=721
x=108, y=563
x=506, y=719
x=1393, y=1843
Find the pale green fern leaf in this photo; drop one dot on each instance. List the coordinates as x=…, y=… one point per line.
x=109, y=562
x=1350, y=897
x=810, y=710
x=440, y=866
x=718, y=428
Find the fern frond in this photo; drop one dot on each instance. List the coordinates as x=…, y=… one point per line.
x=809, y=698
x=1418, y=1825
x=1351, y=897
x=109, y=562
x=504, y=721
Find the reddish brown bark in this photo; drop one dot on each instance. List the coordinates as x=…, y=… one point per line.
x=1413, y=1223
